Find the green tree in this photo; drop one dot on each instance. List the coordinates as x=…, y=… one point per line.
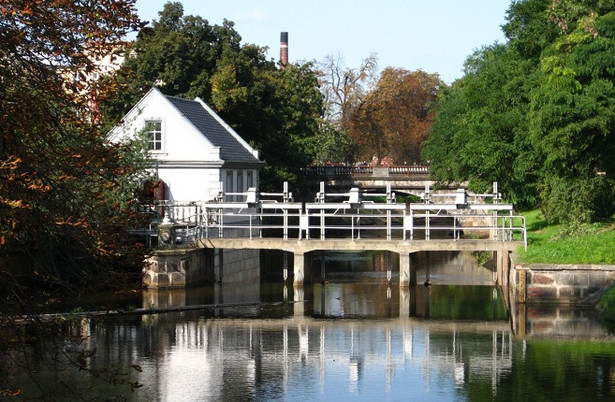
x=331, y=145
x=536, y=113
x=573, y=119
x=529, y=27
x=480, y=131
x=278, y=111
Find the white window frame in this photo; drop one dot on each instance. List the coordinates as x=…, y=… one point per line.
x=240, y=184
x=229, y=185
x=250, y=179
x=151, y=141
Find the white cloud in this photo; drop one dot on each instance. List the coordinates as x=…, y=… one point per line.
x=257, y=14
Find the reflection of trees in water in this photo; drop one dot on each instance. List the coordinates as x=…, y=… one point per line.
x=452, y=268
x=453, y=302
x=446, y=267
x=68, y=358
x=370, y=300
x=229, y=358
x=359, y=262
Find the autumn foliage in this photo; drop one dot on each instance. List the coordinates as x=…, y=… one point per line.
x=394, y=118
x=64, y=191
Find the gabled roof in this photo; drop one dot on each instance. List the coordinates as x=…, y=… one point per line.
x=233, y=149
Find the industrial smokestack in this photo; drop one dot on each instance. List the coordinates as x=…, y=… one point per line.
x=284, y=49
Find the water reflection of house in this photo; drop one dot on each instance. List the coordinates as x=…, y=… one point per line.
x=196, y=153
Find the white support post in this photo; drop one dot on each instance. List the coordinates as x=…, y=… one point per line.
x=404, y=269
x=389, y=224
x=299, y=268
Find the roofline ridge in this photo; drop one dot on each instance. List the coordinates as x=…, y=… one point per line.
x=135, y=109
x=186, y=119
x=228, y=128
x=178, y=97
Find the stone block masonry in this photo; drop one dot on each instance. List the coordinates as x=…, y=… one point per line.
x=178, y=268
x=185, y=267
x=559, y=283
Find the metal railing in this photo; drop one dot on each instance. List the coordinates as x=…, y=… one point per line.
x=354, y=219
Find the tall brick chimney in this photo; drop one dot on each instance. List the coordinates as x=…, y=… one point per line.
x=284, y=49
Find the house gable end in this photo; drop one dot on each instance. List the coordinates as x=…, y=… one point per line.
x=182, y=140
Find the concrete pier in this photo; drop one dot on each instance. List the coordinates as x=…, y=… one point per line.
x=299, y=268
x=404, y=269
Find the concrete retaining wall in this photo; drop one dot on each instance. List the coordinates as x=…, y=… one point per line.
x=178, y=268
x=237, y=266
x=185, y=267
x=559, y=283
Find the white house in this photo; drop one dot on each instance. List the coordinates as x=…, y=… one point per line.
x=197, y=154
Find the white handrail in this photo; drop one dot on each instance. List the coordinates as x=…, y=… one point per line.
x=351, y=220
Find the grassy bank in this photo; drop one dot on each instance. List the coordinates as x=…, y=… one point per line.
x=590, y=244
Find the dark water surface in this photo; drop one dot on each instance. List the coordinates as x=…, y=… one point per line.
x=352, y=337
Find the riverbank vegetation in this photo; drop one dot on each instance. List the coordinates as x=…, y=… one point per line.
x=590, y=243
x=66, y=194
x=537, y=114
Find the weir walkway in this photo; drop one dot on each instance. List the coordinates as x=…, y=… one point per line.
x=349, y=221
x=407, y=179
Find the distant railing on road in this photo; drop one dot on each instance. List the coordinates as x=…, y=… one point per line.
x=355, y=171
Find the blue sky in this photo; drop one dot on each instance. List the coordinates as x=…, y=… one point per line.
x=432, y=35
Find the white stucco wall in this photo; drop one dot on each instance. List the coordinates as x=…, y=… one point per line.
x=188, y=163
x=190, y=184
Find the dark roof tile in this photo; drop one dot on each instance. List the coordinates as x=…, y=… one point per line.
x=231, y=150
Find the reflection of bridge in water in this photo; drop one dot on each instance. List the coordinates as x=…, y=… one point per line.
x=322, y=347
x=217, y=351
x=457, y=350
x=226, y=351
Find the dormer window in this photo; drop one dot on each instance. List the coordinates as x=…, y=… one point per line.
x=153, y=130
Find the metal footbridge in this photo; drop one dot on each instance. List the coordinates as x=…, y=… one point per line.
x=350, y=221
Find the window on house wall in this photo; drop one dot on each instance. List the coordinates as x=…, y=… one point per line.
x=153, y=130
x=240, y=184
x=250, y=179
x=229, y=185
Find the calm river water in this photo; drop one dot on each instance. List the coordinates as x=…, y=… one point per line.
x=353, y=337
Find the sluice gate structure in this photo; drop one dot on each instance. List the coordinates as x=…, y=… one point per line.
x=192, y=231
